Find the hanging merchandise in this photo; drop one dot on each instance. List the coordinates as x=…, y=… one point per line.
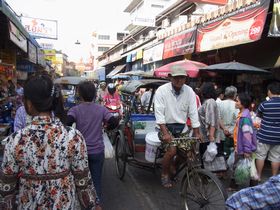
x=274, y=30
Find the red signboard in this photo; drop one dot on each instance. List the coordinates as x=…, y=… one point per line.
x=238, y=27
x=218, y=2
x=180, y=44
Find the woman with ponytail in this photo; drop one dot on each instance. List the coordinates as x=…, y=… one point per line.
x=45, y=164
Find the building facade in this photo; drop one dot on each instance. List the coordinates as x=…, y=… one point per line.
x=102, y=42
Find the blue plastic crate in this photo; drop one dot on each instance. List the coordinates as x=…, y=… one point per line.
x=142, y=117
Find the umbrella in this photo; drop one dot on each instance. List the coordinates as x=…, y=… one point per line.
x=192, y=68
x=234, y=67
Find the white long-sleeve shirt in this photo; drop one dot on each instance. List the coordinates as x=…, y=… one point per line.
x=172, y=108
x=145, y=98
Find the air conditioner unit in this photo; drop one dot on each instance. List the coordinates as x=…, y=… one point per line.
x=151, y=34
x=165, y=23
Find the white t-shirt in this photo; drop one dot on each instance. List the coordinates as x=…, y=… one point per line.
x=172, y=108
x=228, y=114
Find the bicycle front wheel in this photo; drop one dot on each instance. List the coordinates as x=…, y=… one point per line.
x=120, y=155
x=201, y=189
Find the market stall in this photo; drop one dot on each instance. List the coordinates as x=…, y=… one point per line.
x=7, y=98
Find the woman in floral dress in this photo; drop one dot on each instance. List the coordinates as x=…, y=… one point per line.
x=45, y=164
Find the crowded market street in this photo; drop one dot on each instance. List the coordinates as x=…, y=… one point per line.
x=140, y=104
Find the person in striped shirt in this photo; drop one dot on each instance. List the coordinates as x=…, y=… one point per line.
x=269, y=133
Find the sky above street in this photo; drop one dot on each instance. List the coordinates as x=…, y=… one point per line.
x=76, y=20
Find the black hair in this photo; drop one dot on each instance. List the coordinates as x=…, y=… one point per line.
x=207, y=90
x=38, y=89
x=87, y=91
x=245, y=100
x=44, y=95
x=58, y=105
x=219, y=91
x=274, y=88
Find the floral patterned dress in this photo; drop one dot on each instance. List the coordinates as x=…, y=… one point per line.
x=46, y=165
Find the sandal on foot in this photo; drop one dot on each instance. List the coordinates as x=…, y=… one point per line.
x=166, y=182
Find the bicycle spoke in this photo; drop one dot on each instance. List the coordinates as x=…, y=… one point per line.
x=203, y=192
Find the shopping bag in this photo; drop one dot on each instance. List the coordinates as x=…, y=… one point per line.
x=242, y=172
x=210, y=152
x=74, y=125
x=230, y=160
x=109, y=150
x=218, y=164
x=253, y=171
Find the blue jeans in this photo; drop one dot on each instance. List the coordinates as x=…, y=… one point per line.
x=95, y=163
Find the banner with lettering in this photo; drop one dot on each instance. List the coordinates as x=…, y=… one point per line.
x=217, y=2
x=242, y=26
x=180, y=44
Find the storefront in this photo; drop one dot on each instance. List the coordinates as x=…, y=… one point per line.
x=152, y=56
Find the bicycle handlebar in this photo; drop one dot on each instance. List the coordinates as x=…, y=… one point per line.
x=185, y=138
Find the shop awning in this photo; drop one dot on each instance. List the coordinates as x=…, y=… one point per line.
x=4, y=8
x=115, y=71
x=17, y=27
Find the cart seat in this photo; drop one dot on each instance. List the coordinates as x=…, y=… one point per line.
x=142, y=124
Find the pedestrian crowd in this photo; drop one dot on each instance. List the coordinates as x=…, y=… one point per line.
x=229, y=131
x=54, y=159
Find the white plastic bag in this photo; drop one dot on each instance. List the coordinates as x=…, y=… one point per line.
x=253, y=170
x=109, y=150
x=230, y=160
x=210, y=152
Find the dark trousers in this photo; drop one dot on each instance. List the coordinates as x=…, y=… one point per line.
x=228, y=144
x=95, y=162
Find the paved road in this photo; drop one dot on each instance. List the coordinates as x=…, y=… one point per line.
x=141, y=189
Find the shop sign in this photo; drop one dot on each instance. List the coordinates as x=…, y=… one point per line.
x=25, y=66
x=139, y=54
x=17, y=37
x=144, y=21
x=180, y=44
x=153, y=54
x=239, y=27
x=218, y=2
x=40, y=28
x=46, y=45
x=101, y=73
x=133, y=57
x=32, y=53
x=50, y=55
x=274, y=30
x=58, y=59
x=129, y=58
x=50, y=52
x=41, y=57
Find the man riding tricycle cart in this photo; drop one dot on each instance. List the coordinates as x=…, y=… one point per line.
x=157, y=138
